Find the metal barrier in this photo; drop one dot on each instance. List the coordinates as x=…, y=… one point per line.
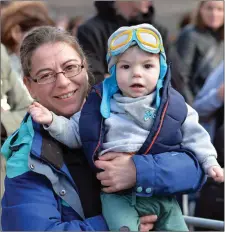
x=205, y=223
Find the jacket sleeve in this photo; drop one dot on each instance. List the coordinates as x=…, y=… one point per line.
x=17, y=95
x=197, y=139
x=92, y=45
x=168, y=173
x=65, y=130
x=29, y=204
x=207, y=100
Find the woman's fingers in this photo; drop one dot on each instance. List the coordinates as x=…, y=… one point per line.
x=145, y=227
x=102, y=164
x=148, y=219
x=147, y=222
x=110, y=156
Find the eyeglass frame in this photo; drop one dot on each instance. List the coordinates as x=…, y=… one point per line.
x=81, y=66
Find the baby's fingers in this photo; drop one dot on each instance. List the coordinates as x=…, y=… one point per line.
x=31, y=106
x=212, y=173
x=35, y=112
x=36, y=104
x=219, y=179
x=219, y=175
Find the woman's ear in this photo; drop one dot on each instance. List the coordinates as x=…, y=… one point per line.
x=28, y=83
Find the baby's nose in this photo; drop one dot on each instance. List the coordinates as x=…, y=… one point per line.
x=137, y=72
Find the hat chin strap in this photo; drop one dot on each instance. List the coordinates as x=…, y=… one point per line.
x=110, y=87
x=159, y=85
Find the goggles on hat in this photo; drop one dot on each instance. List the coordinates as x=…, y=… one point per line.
x=146, y=39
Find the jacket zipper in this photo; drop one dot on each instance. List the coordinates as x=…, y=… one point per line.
x=159, y=129
x=153, y=140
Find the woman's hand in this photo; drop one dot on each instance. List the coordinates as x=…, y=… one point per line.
x=147, y=222
x=119, y=171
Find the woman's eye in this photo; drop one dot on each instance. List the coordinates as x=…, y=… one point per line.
x=71, y=68
x=147, y=66
x=46, y=76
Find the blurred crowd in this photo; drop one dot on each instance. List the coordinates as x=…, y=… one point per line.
x=196, y=57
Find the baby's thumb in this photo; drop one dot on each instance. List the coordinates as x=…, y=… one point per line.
x=212, y=173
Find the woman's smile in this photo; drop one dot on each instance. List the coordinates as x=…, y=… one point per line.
x=67, y=95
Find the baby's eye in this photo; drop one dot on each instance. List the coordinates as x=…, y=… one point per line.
x=147, y=66
x=125, y=66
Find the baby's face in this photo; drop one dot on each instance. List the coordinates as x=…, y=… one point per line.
x=137, y=72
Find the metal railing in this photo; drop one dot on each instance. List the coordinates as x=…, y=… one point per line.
x=205, y=223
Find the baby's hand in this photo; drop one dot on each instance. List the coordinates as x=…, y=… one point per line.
x=40, y=114
x=216, y=173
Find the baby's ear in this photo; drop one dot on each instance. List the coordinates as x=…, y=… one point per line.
x=28, y=83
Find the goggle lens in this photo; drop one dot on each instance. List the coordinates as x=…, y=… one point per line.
x=120, y=40
x=147, y=38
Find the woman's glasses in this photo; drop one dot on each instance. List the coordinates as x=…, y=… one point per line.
x=69, y=72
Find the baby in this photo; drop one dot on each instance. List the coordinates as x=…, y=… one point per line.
x=140, y=109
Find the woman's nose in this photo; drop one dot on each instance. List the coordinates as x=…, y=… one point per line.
x=62, y=81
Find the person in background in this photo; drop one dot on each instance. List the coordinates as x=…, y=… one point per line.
x=200, y=46
x=94, y=33
x=16, y=20
x=14, y=97
x=185, y=20
x=51, y=187
x=209, y=102
x=74, y=23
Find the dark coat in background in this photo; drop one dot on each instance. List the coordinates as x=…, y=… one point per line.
x=93, y=35
x=197, y=52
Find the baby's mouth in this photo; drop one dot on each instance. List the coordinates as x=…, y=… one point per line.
x=136, y=86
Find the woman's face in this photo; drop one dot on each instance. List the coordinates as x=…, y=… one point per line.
x=212, y=14
x=64, y=96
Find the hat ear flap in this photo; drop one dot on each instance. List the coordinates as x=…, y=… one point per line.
x=159, y=85
x=110, y=87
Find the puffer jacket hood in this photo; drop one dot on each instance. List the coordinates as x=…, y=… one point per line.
x=106, y=10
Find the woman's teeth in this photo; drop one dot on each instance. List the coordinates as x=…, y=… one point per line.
x=66, y=95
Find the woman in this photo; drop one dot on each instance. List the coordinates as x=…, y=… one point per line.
x=16, y=20
x=200, y=46
x=48, y=186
